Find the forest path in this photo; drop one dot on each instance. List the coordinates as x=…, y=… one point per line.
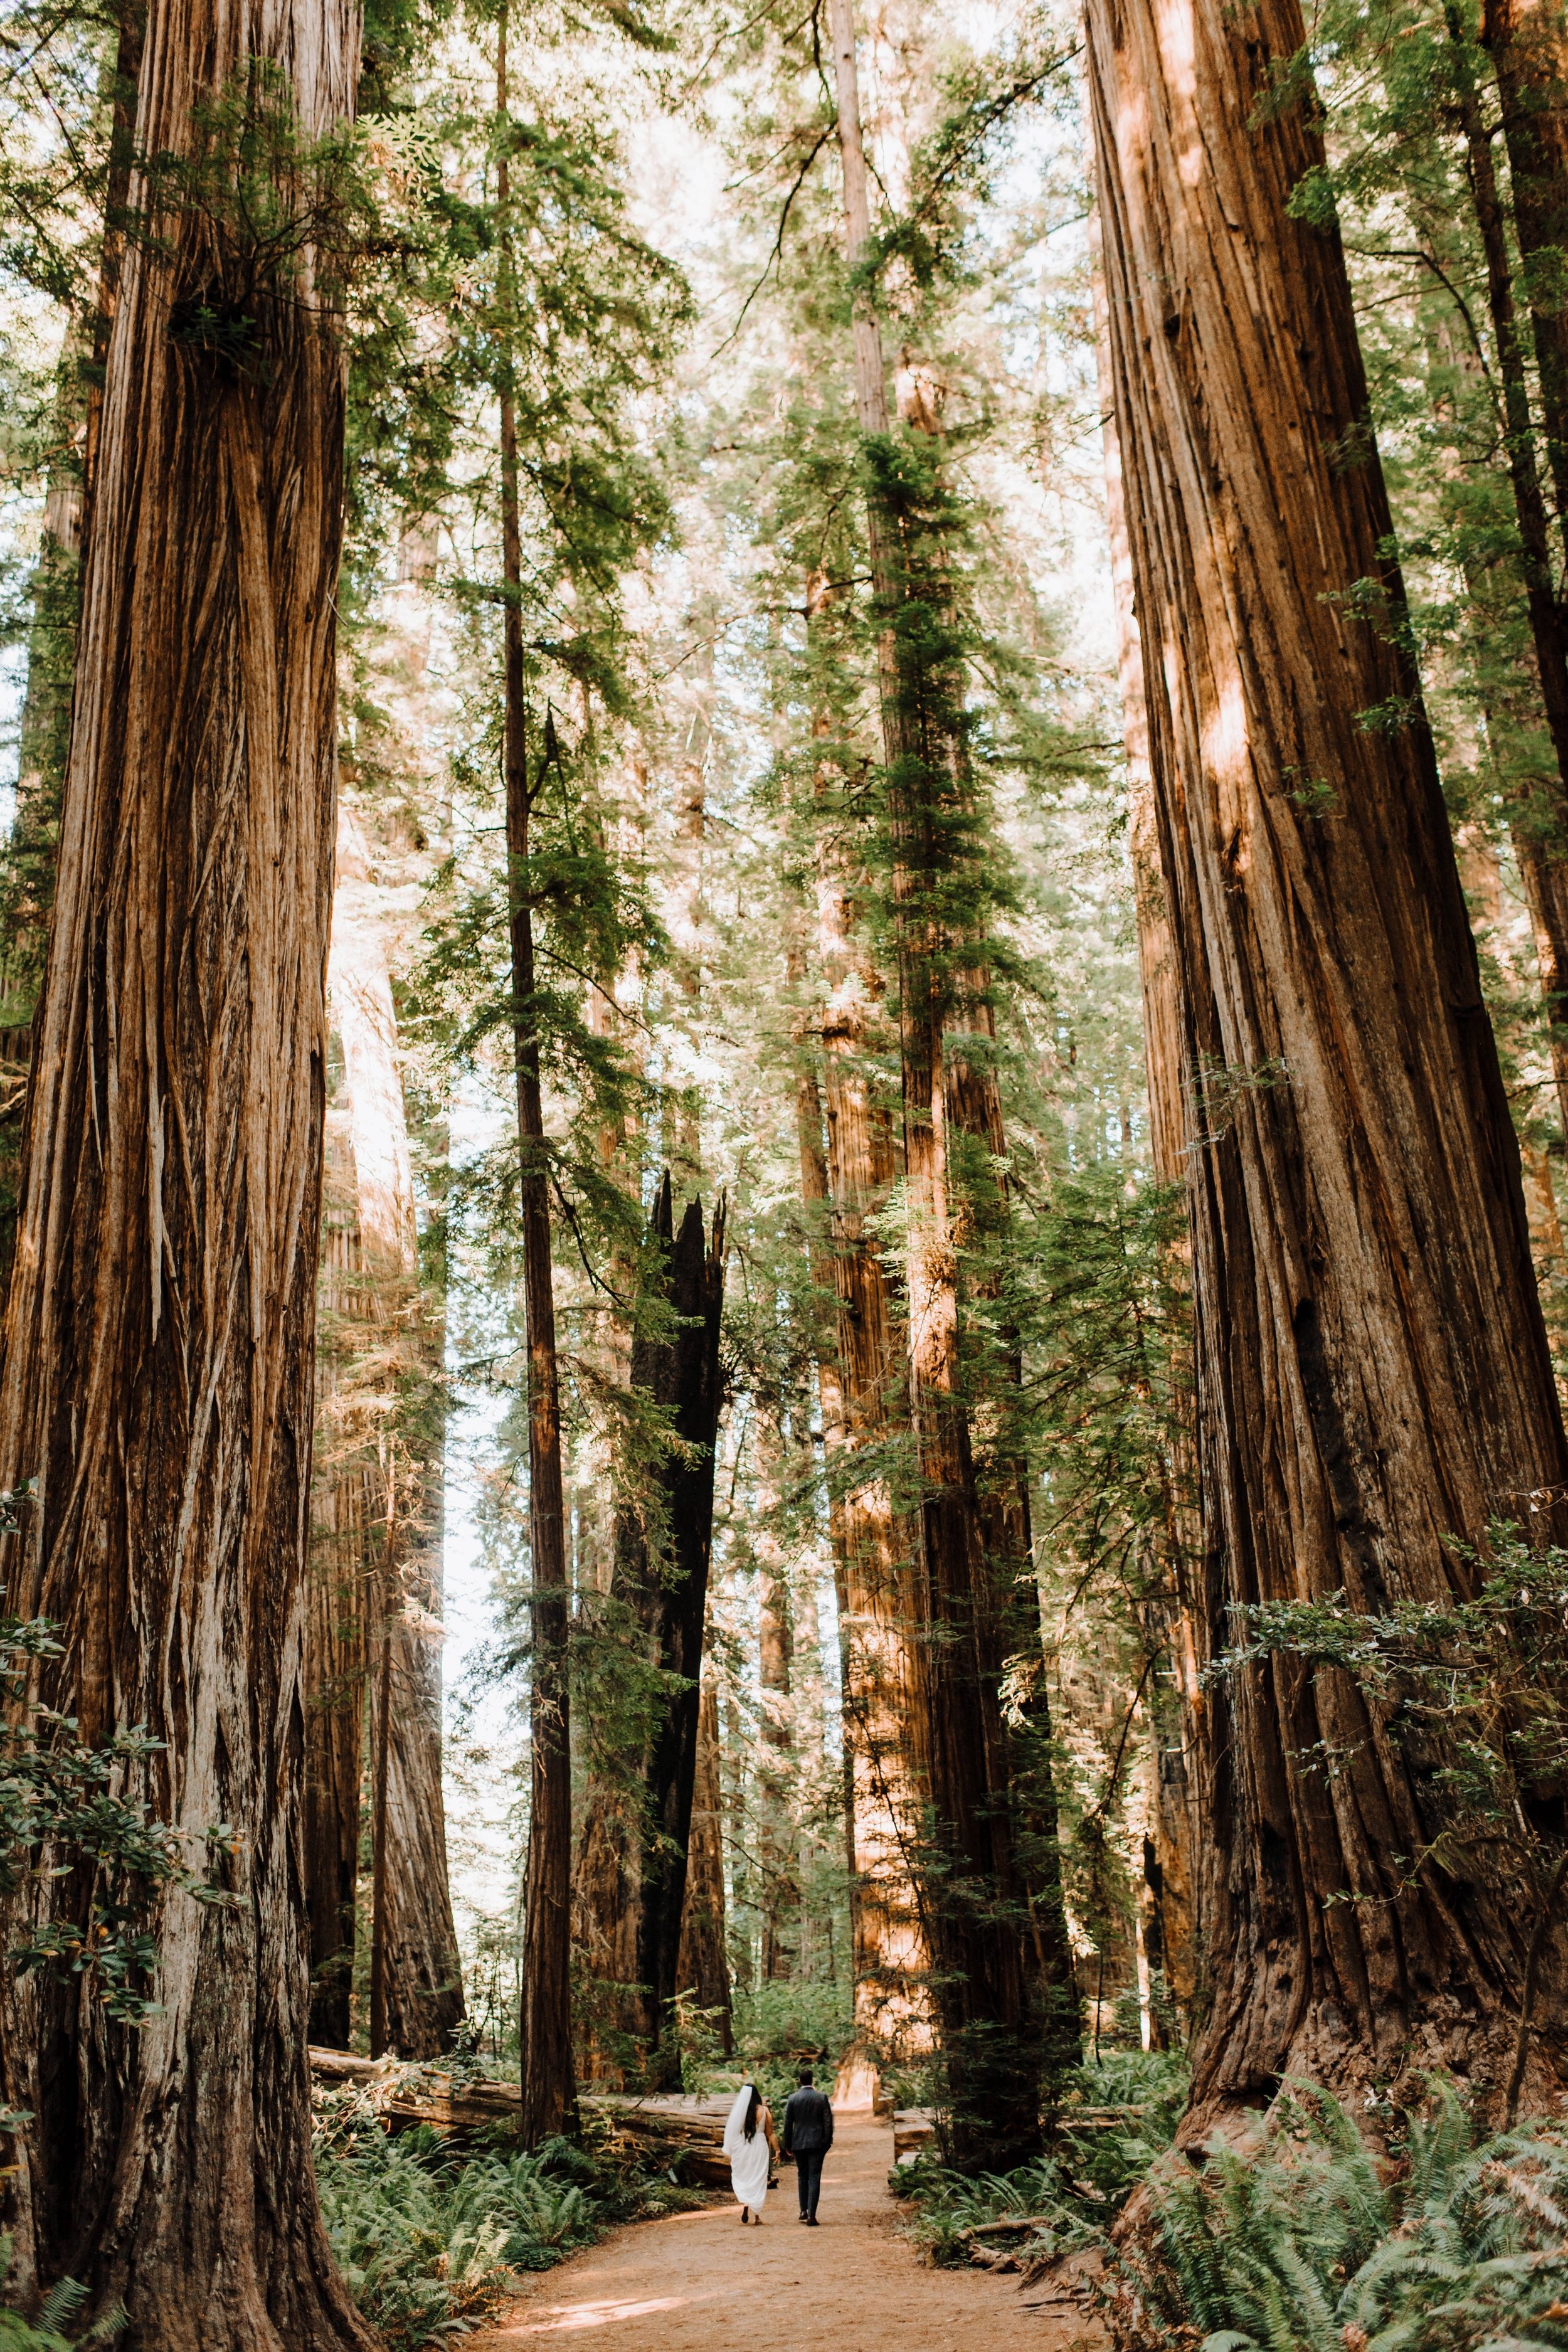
x=701, y=2283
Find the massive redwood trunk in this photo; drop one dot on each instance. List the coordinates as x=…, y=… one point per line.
x=372, y=1670
x=878, y=1604
x=977, y=1918
x=631, y=1876
x=1168, y=1911
x=1373, y=1370
x=157, y=1365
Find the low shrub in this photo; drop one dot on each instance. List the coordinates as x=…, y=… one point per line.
x=1316, y=2243
x=1074, y=2191
x=431, y=2242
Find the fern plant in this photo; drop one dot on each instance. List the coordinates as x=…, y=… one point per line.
x=1313, y=2245
x=60, y=2310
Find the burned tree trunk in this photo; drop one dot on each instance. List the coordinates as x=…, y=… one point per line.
x=157, y=1361
x=1373, y=1370
x=633, y=1867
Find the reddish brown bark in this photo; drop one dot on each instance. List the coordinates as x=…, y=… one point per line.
x=1528, y=43
x=1373, y=1370
x=1168, y=1898
x=878, y=1604
x=157, y=1371
x=974, y=1903
x=631, y=1879
x=373, y=1642
x=702, y=1965
x=1540, y=817
x=776, y=1761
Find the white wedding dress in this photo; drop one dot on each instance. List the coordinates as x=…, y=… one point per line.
x=749, y=2159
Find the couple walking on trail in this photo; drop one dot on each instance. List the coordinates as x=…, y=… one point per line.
x=751, y=2145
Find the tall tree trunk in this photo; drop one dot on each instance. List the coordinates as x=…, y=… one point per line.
x=777, y=1765
x=548, y=2092
x=975, y=1911
x=157, y=1367
x=816, y=1195
x=1528, y=43
x=342, y=1507
x=702, y=1967
x=632, y=1872
x=1540, y=819
x=415, y=1991
x=879, y=1606
x=1373, y=1370
x=1169, y=1895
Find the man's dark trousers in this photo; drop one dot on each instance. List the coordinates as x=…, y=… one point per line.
x=808, y=2169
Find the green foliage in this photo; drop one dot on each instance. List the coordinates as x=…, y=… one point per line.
x=65, y=1824
x=1072, y=2193
x=45, y=2331
x=1315, y=2245
x=1474, y=1692
x=790, y=2023
x=430, y=2242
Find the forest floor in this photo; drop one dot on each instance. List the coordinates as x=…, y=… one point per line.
x=701, y=2283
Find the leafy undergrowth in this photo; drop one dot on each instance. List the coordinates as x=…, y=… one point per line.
x=1313, y=2245
x=431, y=2242
x=1135, y=2098
x=1310, y=2242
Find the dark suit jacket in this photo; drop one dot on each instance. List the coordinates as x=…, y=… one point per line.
x=809, y=2122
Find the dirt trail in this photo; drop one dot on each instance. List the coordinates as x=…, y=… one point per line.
x=700, y=2283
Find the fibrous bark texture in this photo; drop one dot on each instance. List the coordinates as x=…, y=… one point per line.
x=631, y=1878
x=702, y=1967
x=974, y=1901
x=374, y=1632
x=1373, y=1370
x=1528, y=43
x=157, y=1366
x=1168, y=1898
x=879, y=1611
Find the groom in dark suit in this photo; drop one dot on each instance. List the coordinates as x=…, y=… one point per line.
x=807, y=2137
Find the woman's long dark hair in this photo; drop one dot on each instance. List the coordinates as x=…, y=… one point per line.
x=753, y=2112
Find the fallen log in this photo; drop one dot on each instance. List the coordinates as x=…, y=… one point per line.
x=677, y=2134
x=1014, y=2222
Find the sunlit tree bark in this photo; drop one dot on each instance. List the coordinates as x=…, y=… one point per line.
x=157, y=1363
x=975, y=1900
x=1373, y=1370
x=878, y=1607
x=1168, y=1897
x=416, y=1987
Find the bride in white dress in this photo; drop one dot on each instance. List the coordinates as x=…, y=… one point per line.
x=751, y=2146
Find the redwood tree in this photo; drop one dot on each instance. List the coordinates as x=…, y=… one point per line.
x=997, y=1967
x=1373, y=1370
x=632, y=1873
x=157, y=1353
